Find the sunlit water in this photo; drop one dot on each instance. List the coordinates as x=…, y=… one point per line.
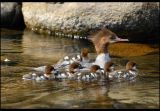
x=30, y=50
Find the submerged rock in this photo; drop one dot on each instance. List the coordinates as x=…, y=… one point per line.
x=136, y=21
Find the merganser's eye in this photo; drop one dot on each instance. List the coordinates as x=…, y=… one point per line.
x=113, y=37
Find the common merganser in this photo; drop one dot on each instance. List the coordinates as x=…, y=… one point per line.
x=61, y=63
x=101, y=42
x=84, y=55
x=129, y=73
x=69, y=72
x=64, y=62
x=84, y=59
x=49, y=74
x=92, y=73
x=108, y=68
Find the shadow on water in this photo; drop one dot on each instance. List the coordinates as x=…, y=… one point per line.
x=30, y=50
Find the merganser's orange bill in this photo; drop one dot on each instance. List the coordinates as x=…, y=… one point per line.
x=117, y=39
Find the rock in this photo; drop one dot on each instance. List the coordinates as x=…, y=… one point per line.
x=11, y=15
x=137, y=21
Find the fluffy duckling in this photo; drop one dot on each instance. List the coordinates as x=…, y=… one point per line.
x=70, y=71
x=108, y=68
x=129, y=73
x=49, y=74
x=84, y=55
x=94, y=72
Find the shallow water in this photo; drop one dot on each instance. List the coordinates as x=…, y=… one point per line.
x=27, y=49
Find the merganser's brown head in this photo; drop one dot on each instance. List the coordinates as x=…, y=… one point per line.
x=84, y=53
x=48, y=69
x=102, y=38
x=73, y=66
x=94, y=68
x=131, y=65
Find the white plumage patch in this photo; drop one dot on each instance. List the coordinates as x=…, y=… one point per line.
x=101, y=59
x=66, y=58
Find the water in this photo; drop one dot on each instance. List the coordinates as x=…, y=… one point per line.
x=27, y=49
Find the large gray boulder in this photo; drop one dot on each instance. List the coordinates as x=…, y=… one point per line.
x=11, y=15
x=138, y=21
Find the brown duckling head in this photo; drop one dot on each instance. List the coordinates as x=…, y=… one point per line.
x=84, y=53
x=73, y=66
x=107, y=66
x=131, y=65
x=48, y=69
x=94, y=68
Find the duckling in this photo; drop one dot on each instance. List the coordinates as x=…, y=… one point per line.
x=70, y=71
x=129, y=73
x=108, y=68
x=94, y=72
x=64, y=62
x=84, y=58
x=84, y=55
x=49, y=74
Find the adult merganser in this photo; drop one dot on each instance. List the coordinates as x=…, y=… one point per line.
x=129, y=73
x=101, y=41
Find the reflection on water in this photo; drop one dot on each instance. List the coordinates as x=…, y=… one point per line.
x=50, y=47
x=33, y=50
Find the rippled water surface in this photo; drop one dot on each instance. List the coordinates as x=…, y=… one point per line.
x=27, y=50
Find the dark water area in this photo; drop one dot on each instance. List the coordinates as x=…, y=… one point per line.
x=27, y=50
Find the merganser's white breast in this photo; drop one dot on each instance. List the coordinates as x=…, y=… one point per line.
x=101, y=59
